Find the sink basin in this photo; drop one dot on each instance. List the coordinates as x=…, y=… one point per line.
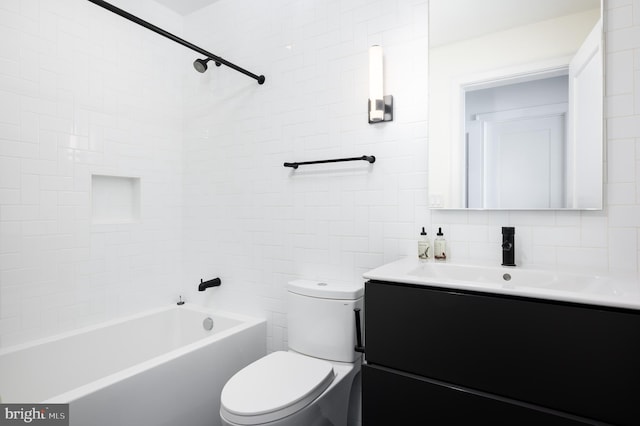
x=502, y=276
x=538, y=283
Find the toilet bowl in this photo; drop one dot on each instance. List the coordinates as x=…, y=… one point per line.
x=310, y=384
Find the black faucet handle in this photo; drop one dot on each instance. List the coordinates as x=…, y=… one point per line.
x=508, y=246
x=508, y=230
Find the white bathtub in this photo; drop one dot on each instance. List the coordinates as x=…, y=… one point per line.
x=160, y=367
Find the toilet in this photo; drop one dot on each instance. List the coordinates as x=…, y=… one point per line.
x=311, y=384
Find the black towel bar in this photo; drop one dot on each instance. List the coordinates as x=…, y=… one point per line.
x=369, y=158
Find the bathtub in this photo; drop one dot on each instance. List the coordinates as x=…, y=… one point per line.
x=160, y=367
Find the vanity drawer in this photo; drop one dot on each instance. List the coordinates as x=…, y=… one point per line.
x=573, y=358
x=422, y=401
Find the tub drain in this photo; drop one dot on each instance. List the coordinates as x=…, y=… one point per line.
x=207, y=324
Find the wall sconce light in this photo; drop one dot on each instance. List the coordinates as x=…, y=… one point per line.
x=380, y=106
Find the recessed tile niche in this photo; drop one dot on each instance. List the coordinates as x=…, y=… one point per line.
x=115, y=199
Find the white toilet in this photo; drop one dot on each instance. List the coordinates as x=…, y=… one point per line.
x=310, y=385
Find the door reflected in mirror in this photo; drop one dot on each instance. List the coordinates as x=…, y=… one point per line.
x=515, y=104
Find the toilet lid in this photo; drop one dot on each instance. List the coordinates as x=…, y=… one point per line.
x=273, y=387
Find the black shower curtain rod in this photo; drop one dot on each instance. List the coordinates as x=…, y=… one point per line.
x=217, y=59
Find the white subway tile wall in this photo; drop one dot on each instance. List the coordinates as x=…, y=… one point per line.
x=85, y=92
x=261, y=225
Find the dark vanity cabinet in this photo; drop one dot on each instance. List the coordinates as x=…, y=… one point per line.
x=438, y=356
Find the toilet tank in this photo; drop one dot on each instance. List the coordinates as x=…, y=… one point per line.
x=320, y=319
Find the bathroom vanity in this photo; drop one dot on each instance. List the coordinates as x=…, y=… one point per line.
x=472, y=353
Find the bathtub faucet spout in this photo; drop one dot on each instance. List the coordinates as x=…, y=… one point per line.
x=211, y=283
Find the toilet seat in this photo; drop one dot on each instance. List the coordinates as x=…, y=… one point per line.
x=274, y=387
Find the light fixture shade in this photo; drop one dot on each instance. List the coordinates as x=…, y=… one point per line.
x=379, y=105
x=375, y=84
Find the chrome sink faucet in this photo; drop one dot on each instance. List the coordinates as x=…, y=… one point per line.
x=508, y=246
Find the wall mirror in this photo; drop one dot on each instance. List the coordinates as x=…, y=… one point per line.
x=515, y=104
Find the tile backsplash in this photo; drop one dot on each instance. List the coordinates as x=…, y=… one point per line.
x=84, y=92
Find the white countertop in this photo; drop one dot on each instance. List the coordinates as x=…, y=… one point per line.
x=514, y=281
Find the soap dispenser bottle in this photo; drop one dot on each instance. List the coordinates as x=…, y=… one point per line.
x=423, y=247
x=440, y=247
